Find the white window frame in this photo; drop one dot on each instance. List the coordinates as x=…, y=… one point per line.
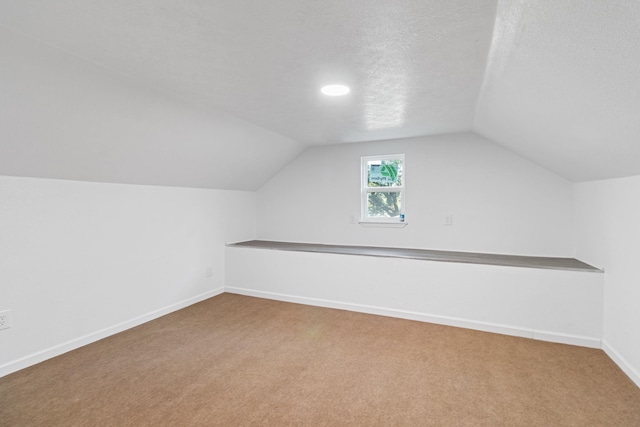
x=365, y=190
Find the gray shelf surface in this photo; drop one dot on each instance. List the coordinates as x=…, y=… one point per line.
x=551, y=263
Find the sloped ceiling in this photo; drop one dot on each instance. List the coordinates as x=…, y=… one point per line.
x=562, y=86
x=65, y=118
x=555, y=81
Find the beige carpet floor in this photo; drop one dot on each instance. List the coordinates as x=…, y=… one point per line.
x=239, y=361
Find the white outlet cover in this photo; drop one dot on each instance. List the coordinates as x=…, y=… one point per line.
x=5, y=319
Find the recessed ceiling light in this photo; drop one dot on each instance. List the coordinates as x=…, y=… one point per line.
x=335, y=90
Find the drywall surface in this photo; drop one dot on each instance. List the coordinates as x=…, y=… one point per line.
x=608, y=236
x=415, y=66
x=561, y=86
x=79, y=261
x=552, y=305
x=62, y=117
x=500, y=202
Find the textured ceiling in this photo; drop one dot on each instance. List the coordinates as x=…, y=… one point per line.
x=554, y=80
x=415, y=66
x=562, y=86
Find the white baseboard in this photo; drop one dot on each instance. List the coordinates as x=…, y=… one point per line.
x=62, y=348
x=561, y=338
x=579, y=340
x=59, y=349
x=622, y=363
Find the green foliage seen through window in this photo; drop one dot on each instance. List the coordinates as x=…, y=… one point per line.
x=386, y=173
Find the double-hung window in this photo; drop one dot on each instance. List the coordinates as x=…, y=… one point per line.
x=383, y=181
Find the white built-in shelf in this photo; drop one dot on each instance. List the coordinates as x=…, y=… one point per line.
x=553, y=263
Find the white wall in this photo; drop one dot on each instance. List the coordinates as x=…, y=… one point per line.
x=501, y=203
x=79, y=261
x=551, y=305
x=608, y=236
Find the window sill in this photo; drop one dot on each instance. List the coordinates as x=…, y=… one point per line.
x=383, y=224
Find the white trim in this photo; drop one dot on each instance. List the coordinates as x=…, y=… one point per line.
x=579, y=340
x=383, y=224
x=365, y=189
x=75, y=343
x=562, y=338
x=556, y=337
x=622, y=363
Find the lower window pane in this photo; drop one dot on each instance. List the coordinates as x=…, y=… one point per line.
x=384, y=205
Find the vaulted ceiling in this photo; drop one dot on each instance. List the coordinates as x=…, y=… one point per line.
x=557, y=81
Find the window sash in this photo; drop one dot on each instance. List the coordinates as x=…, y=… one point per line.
x=365, y=190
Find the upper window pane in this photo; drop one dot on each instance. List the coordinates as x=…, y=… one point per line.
x=384, y=173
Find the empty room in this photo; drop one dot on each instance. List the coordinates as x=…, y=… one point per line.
x=320, y=213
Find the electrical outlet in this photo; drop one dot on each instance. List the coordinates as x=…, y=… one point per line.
x=448, y=219
x=209, y=271
x=5, y=319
